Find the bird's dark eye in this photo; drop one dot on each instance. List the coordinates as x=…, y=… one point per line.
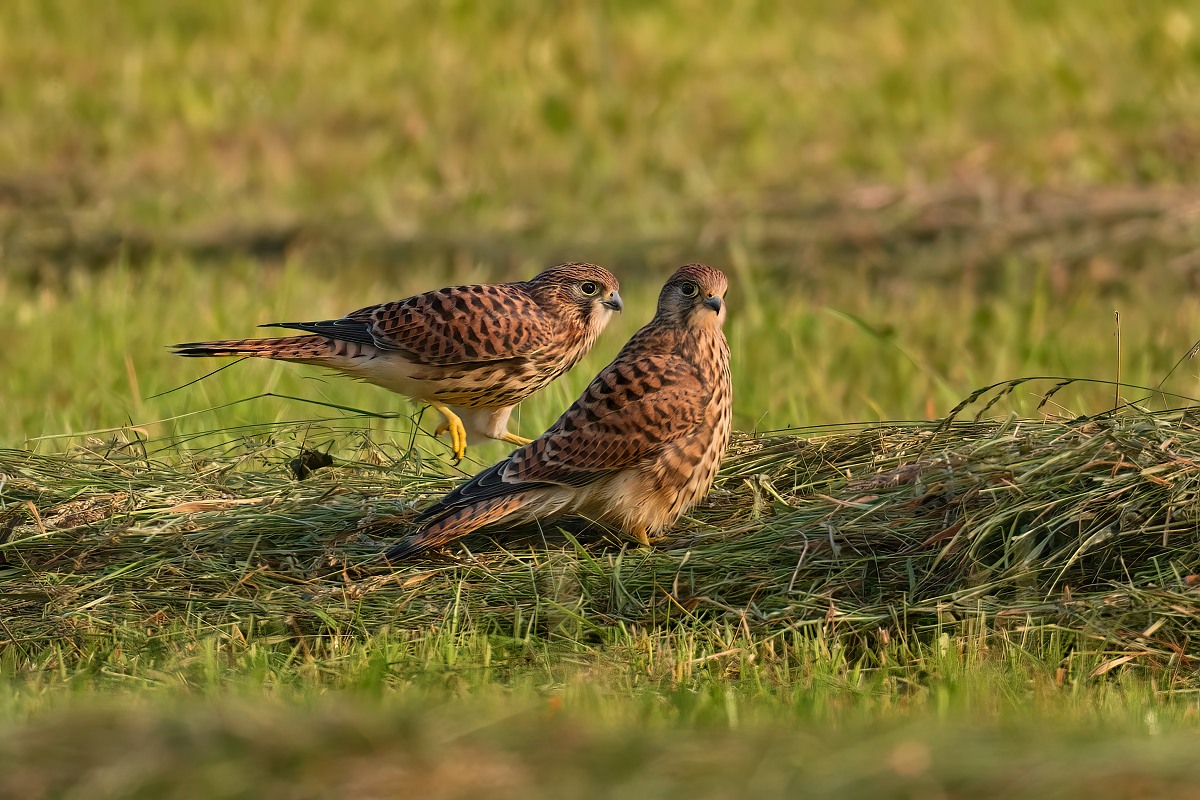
x=589, y=288
x=689, y=289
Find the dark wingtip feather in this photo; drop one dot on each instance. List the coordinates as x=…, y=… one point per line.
x=348, y=330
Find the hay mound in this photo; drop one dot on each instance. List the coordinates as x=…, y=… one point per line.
x=1090, y=526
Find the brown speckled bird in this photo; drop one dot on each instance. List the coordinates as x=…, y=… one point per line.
x=638, y=449
x=471, y=352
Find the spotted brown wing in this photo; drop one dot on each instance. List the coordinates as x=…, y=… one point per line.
x=452, y=326
x=631, y=409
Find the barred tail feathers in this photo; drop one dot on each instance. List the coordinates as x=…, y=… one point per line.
x=285, y=348
x=457, y=523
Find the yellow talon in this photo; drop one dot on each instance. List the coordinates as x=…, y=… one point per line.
x=640, y=535
x=512, y=438
x=458, y=432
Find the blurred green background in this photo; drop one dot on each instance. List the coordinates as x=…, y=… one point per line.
x=912, y=199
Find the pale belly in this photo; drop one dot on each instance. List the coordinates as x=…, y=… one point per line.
x=396, y=374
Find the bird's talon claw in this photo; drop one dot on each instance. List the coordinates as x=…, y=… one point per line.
x=458, y=433
x=512, y=438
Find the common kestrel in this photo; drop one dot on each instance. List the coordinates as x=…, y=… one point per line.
x=471, y=352
x=639, y=448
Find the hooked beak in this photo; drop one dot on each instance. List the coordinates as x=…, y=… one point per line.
x=714, y=303
x=613, y=301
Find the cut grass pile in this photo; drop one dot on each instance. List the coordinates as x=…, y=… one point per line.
x=1077, y=535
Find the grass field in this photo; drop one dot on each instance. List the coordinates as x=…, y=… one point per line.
x=913, y=201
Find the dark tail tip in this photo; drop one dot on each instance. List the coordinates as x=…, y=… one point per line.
x=405, y=550
x=191, y=350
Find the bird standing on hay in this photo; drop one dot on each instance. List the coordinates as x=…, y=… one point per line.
x=639, y=448
x=471, y=352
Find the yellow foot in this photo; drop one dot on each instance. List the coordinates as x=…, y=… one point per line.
x=512, y=438
x=639, y=534
x=458, y=433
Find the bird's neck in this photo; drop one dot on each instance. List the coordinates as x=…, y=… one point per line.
x=690, y=341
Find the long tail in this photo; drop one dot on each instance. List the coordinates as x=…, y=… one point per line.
x=457, y=523
x=285, y=348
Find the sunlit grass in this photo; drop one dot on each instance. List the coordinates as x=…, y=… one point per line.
x=459, y=715
x=576, y=742
x=91, y=354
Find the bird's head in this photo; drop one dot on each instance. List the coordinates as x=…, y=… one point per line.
x=694, y=297
x=585, y=291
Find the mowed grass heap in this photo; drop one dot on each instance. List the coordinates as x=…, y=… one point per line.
x=1080, y=533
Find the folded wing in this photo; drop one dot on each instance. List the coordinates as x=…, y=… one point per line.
x=632, y=410
x=455, y=326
